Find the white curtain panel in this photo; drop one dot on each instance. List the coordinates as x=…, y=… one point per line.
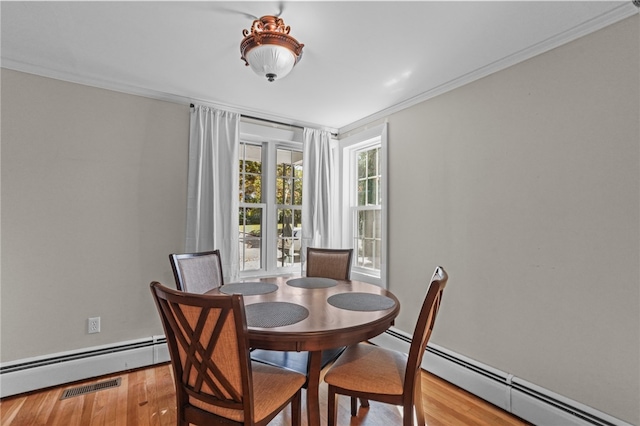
x=319, y=202
x=212, y=199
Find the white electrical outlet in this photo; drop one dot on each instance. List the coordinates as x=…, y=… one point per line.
x=94, y=325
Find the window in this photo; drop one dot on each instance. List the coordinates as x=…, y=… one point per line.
x=367, y=212
x=270, y=208
x=364, y=202
x=251, y=207
x=289, y=206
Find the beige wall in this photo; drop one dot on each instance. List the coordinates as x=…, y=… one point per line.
x=525, y=186
x=93, y=201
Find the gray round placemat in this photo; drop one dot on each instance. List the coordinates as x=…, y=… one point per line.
x=312, y=282
x=274, y=314
x=361, y=301
x=248, y=288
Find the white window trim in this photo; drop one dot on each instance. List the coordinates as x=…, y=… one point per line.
x=348, y=148
x=270, y=138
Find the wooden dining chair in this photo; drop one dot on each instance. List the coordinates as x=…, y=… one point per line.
x=329, y=263
x=321, y=263
x=371, y=372
x=216, y=382
x=197, y=272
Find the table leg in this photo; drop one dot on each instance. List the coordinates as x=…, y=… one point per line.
x=313, y=384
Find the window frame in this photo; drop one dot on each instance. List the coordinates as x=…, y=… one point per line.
x=349, y=148
x=270, y=139
x=288, y=147
x=261, y=205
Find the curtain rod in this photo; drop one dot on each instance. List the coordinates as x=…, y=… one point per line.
x=273, y=122
x=265, y=120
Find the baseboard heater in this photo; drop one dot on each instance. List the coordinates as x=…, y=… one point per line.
x=526, y=400
x=53, y=370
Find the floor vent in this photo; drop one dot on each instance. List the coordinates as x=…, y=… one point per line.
x=83, y=390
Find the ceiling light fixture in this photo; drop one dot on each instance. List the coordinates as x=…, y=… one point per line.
x=269, y=49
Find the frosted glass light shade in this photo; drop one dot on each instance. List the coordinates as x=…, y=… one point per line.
x=269, y=49
x=271, y=61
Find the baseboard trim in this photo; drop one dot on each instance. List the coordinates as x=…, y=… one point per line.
x=526, y=400
x=27, y=375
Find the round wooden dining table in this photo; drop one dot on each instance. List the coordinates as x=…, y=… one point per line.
x=312, y=314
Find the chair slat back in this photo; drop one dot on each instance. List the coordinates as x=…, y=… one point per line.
x=425, y=324
x=208, y=345
x=197, y=272
x=329, y=263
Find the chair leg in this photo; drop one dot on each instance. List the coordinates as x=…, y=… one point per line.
x=181, y=420
x=332, y=415
x=407, y=415
x=420, y=419
x=354, y=405
x=417, y=402
x=296, y=411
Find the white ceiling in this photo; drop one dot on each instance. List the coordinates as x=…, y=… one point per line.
x=360, y=58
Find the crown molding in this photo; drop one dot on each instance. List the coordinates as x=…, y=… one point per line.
x=128, y=89
x=38, y=70
x=623, y=11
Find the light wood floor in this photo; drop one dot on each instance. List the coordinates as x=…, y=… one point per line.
x=145, y=397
